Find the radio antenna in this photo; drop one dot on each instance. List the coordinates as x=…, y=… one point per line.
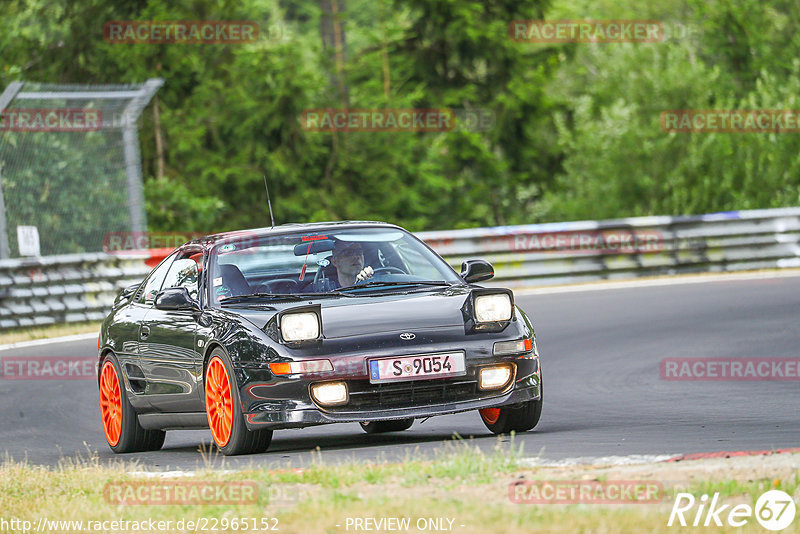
x=269, y=202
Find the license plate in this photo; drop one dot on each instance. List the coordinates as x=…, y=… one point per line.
x=418, y=367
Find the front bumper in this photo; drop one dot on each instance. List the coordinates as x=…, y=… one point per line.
x=286, y=403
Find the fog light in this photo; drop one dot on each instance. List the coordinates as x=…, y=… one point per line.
x=495, y=377
x=330, y=393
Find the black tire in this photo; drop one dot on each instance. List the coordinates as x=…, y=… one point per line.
x=242, y=440
x=517, y=419
x=132, y=438
x=379, y=427
x=156, y=440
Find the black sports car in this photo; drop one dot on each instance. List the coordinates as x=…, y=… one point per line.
x=305, y=324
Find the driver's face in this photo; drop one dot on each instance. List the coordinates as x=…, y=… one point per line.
x=350, y=260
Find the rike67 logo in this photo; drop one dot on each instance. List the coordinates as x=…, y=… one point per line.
x=774, y=510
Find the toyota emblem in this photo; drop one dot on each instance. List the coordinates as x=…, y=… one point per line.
x=407, y=336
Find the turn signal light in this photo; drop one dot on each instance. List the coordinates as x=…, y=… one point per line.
x=293, y=368
x=513, y=347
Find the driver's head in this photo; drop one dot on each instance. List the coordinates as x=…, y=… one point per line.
x=348, y=258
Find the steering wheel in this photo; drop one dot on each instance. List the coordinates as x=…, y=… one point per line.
x=318, y=277
x=387, y=270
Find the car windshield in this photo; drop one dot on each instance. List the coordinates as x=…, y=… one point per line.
x=334, y=261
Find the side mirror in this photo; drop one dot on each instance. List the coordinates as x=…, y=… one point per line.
x=473, y=271
x=127, y=293
x=176, y=298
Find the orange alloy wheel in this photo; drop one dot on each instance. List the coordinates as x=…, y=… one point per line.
x=490, y=415
x=219, y=405
x=110, y=403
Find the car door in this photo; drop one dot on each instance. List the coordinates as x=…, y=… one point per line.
x=130, y=323
x=171, y=362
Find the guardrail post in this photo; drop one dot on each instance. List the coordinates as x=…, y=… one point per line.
x=5, y=252
x=5, y=99
x=132, y=161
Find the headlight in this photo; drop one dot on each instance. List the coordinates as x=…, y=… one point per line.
x=330, y=393
x=302, y=326
x=492, y=308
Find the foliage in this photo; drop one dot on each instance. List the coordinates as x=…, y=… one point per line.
x=719, y=55
x=577, y=132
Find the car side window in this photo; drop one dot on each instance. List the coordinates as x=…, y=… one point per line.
x=183, y=273
x=417, y=264
x=153, y=284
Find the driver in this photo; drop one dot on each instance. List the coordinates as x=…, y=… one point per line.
x=348, y=259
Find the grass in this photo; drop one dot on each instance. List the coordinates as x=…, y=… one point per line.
x=732, y=488
x=455, y=461
x=15, y=335
x=460, y=483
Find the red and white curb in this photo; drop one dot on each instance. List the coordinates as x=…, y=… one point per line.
x=731, y=454
x=637, y=459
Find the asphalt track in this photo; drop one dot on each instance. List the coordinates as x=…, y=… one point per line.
x=600, y=355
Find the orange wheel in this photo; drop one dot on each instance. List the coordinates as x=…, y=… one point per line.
x=219, y=402
x=519, y=417
x=110, y=403
x=490, y=415
x=120, y=420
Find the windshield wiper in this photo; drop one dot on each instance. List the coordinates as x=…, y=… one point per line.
x=334, y=293
x=257, y=296
x=387, y=283
x=276, y=296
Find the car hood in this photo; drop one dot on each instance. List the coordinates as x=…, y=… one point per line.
x=380, y=313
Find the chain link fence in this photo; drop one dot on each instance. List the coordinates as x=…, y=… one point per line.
x=70, y=165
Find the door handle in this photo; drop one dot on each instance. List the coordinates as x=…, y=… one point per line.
x=144, y=333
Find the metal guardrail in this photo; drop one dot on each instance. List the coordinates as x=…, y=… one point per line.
x=81, y=287
x=64, y=289
x=552, y=253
